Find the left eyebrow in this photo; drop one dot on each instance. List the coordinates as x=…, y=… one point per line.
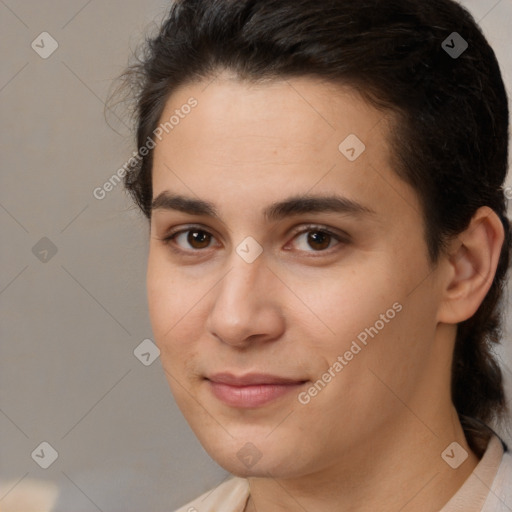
x=299, y=205
x=296, y=205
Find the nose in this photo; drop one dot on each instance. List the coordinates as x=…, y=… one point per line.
x=246, y=308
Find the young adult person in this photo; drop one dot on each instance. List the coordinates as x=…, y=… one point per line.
x=329, y=244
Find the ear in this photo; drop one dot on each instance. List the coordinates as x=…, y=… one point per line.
x=471, y=260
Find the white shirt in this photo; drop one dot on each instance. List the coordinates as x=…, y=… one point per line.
x=487, y=489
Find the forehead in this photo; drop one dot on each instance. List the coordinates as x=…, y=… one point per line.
x=295, y=115
x=263, y=141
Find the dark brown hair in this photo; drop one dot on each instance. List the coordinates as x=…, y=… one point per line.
x=449, y=140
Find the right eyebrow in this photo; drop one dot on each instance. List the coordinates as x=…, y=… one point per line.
x=192, y=206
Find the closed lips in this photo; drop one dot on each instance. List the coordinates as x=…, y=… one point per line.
x=253, y=379
x=252, y=390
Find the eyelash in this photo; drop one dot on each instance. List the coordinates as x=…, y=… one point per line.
x=169, y=239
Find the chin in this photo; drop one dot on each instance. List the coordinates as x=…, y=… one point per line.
x=261, y=469
x=260, y=458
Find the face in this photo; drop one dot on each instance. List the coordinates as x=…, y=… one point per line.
x=289, y=286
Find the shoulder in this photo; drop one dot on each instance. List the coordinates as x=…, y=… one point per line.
x=229, y=496
x=500, y=495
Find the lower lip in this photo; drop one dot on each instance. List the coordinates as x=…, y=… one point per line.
x=251, y=396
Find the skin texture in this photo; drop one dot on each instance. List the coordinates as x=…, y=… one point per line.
x=372, y=438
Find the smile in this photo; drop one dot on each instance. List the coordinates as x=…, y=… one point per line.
x=250, y=391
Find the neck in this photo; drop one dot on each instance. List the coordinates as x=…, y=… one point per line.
x=401, y=468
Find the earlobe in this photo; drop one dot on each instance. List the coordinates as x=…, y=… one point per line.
x=472, y=260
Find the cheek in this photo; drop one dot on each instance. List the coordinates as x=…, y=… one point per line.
x=384, y=357
x=161, y=299
x=369, y=314
x=170, y=302
x=345, y=302
x=366, y=376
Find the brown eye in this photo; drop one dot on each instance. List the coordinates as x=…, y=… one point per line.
x=198, y=239
x=319, y=240
x=189, y=241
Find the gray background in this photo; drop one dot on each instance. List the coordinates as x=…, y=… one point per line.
x=69, y=325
